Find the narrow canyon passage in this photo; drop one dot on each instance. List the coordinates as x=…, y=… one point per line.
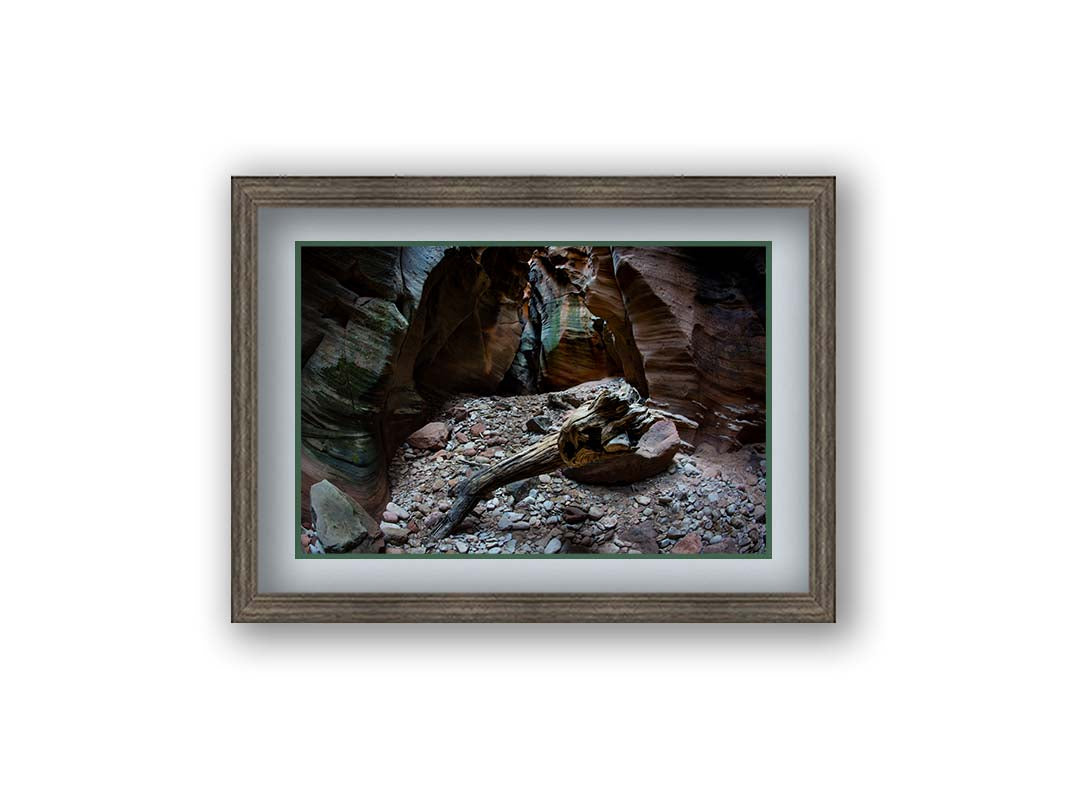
x=477, y=351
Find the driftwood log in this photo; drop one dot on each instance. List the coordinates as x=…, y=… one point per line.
x=607, y=427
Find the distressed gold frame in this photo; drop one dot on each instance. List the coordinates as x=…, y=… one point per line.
x=816, y=194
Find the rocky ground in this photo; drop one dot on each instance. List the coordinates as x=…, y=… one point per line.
x=704, y=503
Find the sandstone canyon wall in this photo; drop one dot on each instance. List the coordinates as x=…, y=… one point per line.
x=388, y=333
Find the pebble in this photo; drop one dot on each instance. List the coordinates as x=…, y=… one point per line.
x=400, y=512
x=461, y=547
x=643, y=499
x=389, y=516
x=539, y=424
x=607, y=523
x=554, y=546
x=394, y=534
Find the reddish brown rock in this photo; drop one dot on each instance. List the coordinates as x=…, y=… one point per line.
x=432, y=436
x=688, y=545
x=698, y=321
x=477, y=429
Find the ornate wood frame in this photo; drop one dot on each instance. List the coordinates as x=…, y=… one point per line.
x=816, y=194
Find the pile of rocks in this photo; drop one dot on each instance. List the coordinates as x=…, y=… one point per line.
x=703, y=503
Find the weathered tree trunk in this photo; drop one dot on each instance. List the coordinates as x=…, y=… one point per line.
x=606, y=427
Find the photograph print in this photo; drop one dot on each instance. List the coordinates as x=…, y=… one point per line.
x=538, y=400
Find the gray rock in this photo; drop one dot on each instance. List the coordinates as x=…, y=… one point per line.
x=394, y=534
x=340, y=522
x=539, y=424
x=519, y=489
x=554, y=546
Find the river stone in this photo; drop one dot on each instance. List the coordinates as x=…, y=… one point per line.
x=340, y=522
x=394, y=534
x=554, y=546
x=688, y=545
x=640, y=538
x=394, y=508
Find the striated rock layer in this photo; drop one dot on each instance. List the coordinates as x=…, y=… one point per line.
x=386, y=334
x=389, y=333
x=685, y=326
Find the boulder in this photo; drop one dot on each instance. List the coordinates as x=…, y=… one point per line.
x=432, y=436
x=653, y=454
x=341, y=524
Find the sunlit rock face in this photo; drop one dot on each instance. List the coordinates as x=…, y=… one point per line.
x=572, y=338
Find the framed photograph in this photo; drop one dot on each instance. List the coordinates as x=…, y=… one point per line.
x=533, y=399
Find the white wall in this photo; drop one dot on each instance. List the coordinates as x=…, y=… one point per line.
x=121, y=125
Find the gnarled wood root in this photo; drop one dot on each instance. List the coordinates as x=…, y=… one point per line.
x=608, y=426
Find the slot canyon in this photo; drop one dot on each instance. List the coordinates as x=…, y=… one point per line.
x=421, y=365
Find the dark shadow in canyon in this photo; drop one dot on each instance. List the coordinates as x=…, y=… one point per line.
x=389, y=335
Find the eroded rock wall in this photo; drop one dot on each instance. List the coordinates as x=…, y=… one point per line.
x=685, y=326
x=387, y=333
x=698, y=317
